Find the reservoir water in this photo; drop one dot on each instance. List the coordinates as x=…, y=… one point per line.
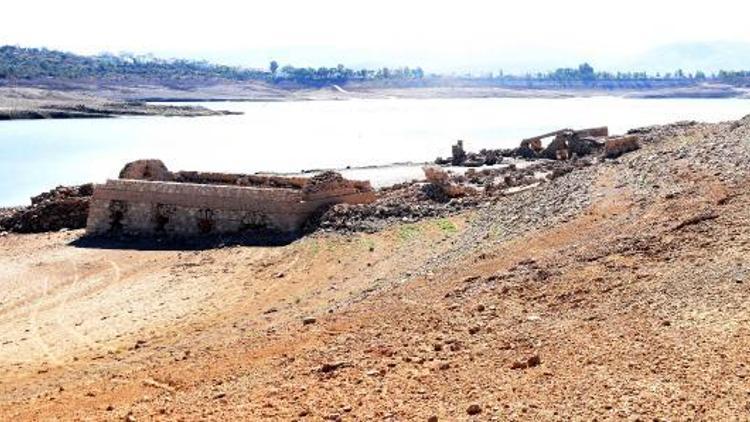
x=37, y=155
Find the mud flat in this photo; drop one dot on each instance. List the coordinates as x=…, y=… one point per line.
x=32, y=103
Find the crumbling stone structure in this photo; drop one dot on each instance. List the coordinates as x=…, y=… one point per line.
x=566, y=144
x=151, y=200
x=615, y=147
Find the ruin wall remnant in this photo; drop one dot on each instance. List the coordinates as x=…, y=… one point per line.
x=133, y=206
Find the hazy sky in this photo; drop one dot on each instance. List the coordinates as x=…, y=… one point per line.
x=245, y=32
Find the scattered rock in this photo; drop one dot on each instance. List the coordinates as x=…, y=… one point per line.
x=309, y=320
x=474, y=409
x=333, y=366
x=529, y=362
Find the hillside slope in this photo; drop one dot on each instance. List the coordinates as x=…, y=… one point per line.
x=616, y=291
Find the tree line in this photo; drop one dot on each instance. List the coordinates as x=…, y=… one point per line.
x=34, y=63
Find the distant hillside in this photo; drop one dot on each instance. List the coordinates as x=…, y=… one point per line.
x=34, y=63
x=35, y=66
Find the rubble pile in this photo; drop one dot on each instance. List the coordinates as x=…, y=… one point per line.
x=65, y=207
x=331, y=180
x=442, y=193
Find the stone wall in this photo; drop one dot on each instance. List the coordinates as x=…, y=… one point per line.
x=149, y=207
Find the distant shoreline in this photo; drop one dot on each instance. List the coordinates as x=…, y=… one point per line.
x=65, y=101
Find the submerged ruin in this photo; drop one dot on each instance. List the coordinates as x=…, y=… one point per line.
x=565, y=144
x=148, y=199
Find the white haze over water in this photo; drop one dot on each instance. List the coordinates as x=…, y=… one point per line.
x=291, y=136
x=438, y=35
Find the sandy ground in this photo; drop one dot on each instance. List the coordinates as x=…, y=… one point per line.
x=634, y=307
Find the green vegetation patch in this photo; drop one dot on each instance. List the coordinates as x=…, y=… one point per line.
x=446, y=226
x=408, y=231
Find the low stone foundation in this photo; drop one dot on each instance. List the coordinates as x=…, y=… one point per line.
x=131, y=206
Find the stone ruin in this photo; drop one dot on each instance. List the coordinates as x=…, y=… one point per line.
x=148, y=199
x=565, y=144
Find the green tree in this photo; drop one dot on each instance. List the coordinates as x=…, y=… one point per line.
x=273, y=67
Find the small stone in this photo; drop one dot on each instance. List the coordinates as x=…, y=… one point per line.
x=533, y=361
x=309, y=320
x=330, y=367
x=220, y=395
x=474, y=409
x=279, y=275
x=432, y=419
x=480, y=308
x=473, y=330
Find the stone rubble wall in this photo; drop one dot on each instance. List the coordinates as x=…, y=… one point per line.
x=146, y=207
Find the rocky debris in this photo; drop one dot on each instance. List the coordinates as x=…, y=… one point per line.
x=331, y=180
x=443, y=193
x=485, y=157
x=65, y=207
x=442, y=182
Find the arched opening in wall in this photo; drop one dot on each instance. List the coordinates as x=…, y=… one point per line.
x=162, y=215
x=117, y=211
x=205, y=221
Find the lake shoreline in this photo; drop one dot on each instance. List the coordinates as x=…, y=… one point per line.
x=84, y=101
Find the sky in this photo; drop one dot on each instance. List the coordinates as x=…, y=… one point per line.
x=457, y=35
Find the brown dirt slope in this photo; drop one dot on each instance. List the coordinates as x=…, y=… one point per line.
x=619, y=291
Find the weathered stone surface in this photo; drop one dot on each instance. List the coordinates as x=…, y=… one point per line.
x=614, y=148
x=153, y=170
x=137, y=205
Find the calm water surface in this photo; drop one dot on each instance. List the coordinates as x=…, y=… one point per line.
x=291, y=136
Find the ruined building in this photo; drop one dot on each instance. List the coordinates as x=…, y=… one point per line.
x=565, y=144
x=149, y=199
